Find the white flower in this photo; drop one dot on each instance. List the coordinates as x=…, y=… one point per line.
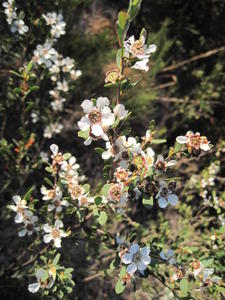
x=10, y=11
x=137, y=259
x=69, y=170
x=19, y=26
x=75, y=74
x=62, y=86
x=57, y=105
x=166, y=196
x=98, y=119
x=57, y=156
x=168, y=256
x=121, y=174
x=194, y=141
x=138, y=48
x=19, y=208
x=30, y=226
x=44, y=156
x=120, y=111
x=141, y=65
x=34, y=117
x=51, y=129
x=55, y=195
x=34, y=287
x=54, y=233
x=161, y=164
x=68, y=64
x=117, y=194
x=45, y=54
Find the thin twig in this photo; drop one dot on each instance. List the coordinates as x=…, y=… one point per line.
x=194, y=58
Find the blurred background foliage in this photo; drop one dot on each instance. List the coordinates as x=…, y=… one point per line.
x=184, y=90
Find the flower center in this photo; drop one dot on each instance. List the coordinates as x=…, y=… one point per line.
x=30, y=227
x=137, y=48
x=57, y=203
x=95, y=116
x=164, y=192
x=137, y=257
x=55, y=233
x=51, y=194
x=115, y=193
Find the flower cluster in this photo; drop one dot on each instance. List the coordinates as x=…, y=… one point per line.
x=17, y=24
x=56, y=23
x=62, y=70
x=25, y=216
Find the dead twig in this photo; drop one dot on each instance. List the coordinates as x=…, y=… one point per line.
x=194, y=58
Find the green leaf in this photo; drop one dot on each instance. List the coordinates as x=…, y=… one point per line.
x=66, y=156
x=48, y=181
x=102, y=218
x=83, y=134
x=177, y=147
x=159, y=141
x=98, y=200
x=119, y=288
x=86, y=188
x=184, y=286
x=134, y=8
x=56, y=260
x=45, y=276
x=49, y=169
x=29, y=66
x=122, y=19
x=123, y=272
x=105, y=189
x=28, y=193
x=99, y=150
x=147, y=202
x=108, y=85
x=116, y=123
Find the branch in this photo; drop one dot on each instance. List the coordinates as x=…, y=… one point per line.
x=194, y=58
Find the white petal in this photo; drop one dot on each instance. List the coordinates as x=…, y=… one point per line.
x=16, y=199
x=134, y=248
x=127, y=258
x=151, y=49
x=173, y=199
x=72, y=160
x=47, y=238
x=84, y=124
x=169, y=253
x=150, y=152
x=19, y=218
x=57, y=243
x=12, y=207
x=162, y=255
x=54, y=148
x=39, y=274
x=120, y=111
x=205, y=147
x=58, y=224
x=47, y=228
x=97, y=130
x=162, y=202
x=142, y=266
x=87, y=106
x=145, y=251
x=102, y=102
x=131, y=268
x=171, y=163
x=146, y=259
x=105, y=137
x=106, y=154
x=108, y=119
x=34, y=287
x=182, y=139
x=88, y=141
x=22, y=232
x=51, y=207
